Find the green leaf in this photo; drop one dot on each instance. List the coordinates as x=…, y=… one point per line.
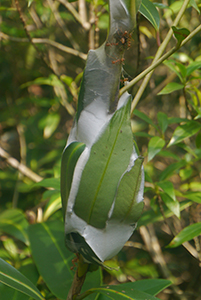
x=161, y=5
x=143, y=134
x=109, y=159
x=182, y=69
x=162, y=121
x=165, y=153
x=192, y=67
x=126, y=208
x=180, y=33
x=144, y=117
x=28, y=270
x=49, y=183
x=152, y=216
x=69, y=159
x=171, y=169
x=194, y=5
x=148, y=10
x=49, y=124
x=171, y=87
x=155, y=145
x=52, y=80
x=187, y=234
x=53, y=260
x=149, y=286
x=172, y=120
x=13, y=278
x=52, y=206
x=184, y=131
x=172, y=204
x=138, y=290
x=168, y=188
x=13, y=222
x=170, y=63
x=194, y=196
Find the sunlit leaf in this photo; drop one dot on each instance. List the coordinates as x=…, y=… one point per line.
x=182, y=69
x=168, y=188
x=155, y=145
x=52, y=80
x=184, y=131
x=194, y=5
x=171, y=64
x=49, y=124
x=152, y=216
x=187, y=234
x=172, y=204
x=171, y=87
x=194, y=196
x=192, y=67
x=52, y=206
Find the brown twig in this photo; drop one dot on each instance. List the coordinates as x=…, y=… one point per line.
x=41, y=55
x=61, y=24
x=78, y=279
x=45, y=41
x=20, y=167
x=76, y=15
x=153, y=247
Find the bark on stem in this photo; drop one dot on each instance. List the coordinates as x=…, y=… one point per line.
x=76, y=286
x=78, y=279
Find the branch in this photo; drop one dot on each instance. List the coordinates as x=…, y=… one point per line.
x=45, y=41
x=157, y=56
x=86, y=25
x=153, y=247
x=20, y=167
x=78, y=279
x=61, y=24
x=155, y=64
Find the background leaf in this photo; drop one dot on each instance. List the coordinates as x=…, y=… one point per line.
x=145, y=118
x=13, y=222
x=155, y=145
x=187, y=234
x=184, y=131
x=172, y=204
x=162, y=121
x=171, y=87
